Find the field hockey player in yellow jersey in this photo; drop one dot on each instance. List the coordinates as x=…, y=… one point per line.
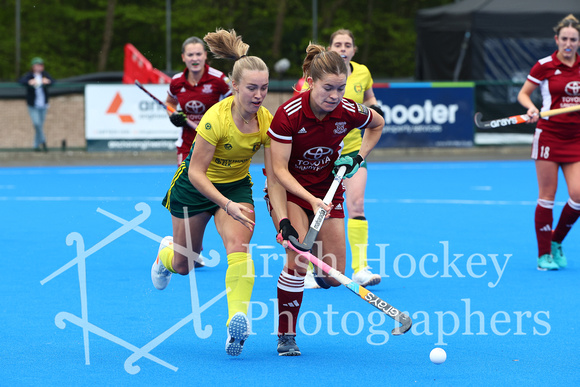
x=218, y=184
x=359, y=87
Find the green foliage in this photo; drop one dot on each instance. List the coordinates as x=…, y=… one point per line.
x=68, y=34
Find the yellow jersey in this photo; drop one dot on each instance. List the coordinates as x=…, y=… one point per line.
x=233, y=149
x=357, y=83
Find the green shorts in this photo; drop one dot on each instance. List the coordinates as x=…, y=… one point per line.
x=352, y=154
x=183, y=196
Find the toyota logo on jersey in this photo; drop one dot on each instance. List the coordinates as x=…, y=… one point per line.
x=315, y=159
x=573, y=88
x=317, y=153
x=194, y=107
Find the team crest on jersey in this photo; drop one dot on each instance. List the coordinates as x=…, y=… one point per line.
x=358, y=88
x=573, y=88
x=207, y=89
x=340, y=128
x=228, y=146
x=362, y=109
x=208, y=126
x=256, y=147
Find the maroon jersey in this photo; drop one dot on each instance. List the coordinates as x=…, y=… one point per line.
x=316, y=144
x=195, y=100
x=560, y=87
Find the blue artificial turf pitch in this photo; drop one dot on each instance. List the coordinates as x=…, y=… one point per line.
x=454, y=242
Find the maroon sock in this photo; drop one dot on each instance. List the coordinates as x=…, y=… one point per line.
x=543, y=221
x=290, y=292
x=567, y=220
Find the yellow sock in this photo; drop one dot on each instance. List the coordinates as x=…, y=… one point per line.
x=240, y=280
x=358, y=238
x=166, y=256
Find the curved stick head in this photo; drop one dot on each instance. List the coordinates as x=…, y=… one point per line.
x=406, y=325
x=477, y=120
x=297, y=244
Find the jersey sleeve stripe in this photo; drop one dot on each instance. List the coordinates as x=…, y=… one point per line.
x=290, y=112
x=348, y=106
x=214, y=72
x=368, y=119
x=293, y=106
x=545, y=60
x=532, y=79
x=279, y=137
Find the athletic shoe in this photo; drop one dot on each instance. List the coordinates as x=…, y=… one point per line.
x=159, y=273
x=287, y=346
x=558, y=255
x=364, y=277
x=319, y=281
x=546, y=262
x=310, y=282
x=238, y=333
x=198, y=262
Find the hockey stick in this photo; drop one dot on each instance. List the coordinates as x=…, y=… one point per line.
x=304, y=250
x=312, y=233
x=519, y=119
x=163, y=105
x=362, y=292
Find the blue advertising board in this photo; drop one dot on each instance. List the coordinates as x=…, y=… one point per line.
x=426, y=114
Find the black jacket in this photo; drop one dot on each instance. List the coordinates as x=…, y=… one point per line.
x=30, y=91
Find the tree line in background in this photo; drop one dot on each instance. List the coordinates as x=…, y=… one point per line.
x=76, y=38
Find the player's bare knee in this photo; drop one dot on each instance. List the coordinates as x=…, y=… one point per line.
x=357, y=207
x=575, y=196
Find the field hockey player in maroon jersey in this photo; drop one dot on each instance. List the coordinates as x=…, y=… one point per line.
x=556, y=141
x=307, y=135
x=195, y=90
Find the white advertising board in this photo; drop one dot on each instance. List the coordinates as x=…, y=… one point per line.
x=123, y=117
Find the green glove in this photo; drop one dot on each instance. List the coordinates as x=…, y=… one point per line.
x=178, y=119
x=351, y=164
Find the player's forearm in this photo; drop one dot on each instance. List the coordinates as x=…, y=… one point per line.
x=525, y=95
x=370, y=139
x=276, y=192
x=290, y=184
x=200, y=181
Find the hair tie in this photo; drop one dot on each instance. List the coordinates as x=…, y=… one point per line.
x=240, y=57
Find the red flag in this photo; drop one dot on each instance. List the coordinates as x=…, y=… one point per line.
x=138, y=68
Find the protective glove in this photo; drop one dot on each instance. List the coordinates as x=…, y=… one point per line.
x=286, y=230
x=378, y=109
x=351, y=164
x=178, y=119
